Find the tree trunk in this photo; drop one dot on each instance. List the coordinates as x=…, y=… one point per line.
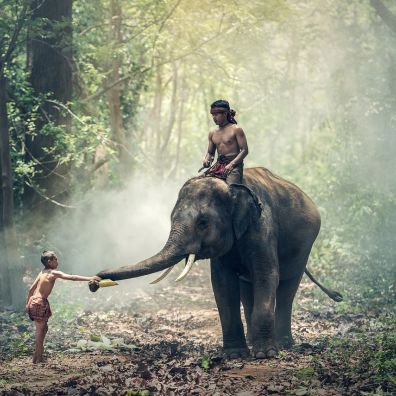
x=172, y=112
x=49, y=62
x=385, y=14
x=12, y=290
x=157, y=120
x=157, y=110
x=183, y=98
x=114, y=94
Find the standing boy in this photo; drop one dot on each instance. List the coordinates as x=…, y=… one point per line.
x=37, y=305
x=230, y=142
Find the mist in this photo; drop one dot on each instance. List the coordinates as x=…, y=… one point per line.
x=115, y=228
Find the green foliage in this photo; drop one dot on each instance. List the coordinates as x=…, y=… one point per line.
x=205, y=362
x=64, y=311
x=16, y=342
x=14, y=20
x=18, y=345
x=94, y=337
x=138, y=392
x=370, y=357
x=305, y=373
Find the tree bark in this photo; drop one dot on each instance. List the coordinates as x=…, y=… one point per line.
x=172, y=112
x=156, y=120
x=12, y=290
x=157, y=111
x=114, y=94
x=49, y=63
x=183, y=98
x=385, y=14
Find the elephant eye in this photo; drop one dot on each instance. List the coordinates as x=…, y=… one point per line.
x=202, y=222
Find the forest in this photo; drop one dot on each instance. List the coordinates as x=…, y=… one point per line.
x=105, y=114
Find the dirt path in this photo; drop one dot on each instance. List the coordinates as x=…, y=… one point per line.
x=164, y=340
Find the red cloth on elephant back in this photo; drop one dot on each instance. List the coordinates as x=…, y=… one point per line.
x=39, y=309
x=217, y=170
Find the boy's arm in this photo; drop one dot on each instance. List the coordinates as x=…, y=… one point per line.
x=62, y=275
x=32, y=289
x=210, y=153
x=243, y=149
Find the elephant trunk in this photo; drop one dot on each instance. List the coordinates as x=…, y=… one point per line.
x=170, y=255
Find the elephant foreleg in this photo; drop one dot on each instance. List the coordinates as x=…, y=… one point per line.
x=247, y=302
x=225, y=283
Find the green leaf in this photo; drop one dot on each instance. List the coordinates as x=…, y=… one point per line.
x=305, y=373
x=138, y=392
x=300, y=391
x=95, y=338
x=205, y=362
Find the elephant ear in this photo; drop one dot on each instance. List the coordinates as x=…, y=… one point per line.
x=246, y=208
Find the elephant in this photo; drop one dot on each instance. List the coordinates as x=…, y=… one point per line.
x=258, y=236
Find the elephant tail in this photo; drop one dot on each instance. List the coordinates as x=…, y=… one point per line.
x=331, y=293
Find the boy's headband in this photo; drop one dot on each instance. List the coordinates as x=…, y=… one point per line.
x=217, y=110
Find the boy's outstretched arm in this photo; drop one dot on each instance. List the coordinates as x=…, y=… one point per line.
x=62, y=275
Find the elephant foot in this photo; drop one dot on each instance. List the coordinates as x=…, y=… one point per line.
x=285, y=342
x=236, y=353
x=266, y=352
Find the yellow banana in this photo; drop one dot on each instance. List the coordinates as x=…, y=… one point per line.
x=107, y=283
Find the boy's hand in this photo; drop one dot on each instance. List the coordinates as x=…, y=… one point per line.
x=96, y=278
x=207, y=161
x=229, y=168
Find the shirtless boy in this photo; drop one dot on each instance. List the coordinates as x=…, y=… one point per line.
x=37, y=305
x=230, y=142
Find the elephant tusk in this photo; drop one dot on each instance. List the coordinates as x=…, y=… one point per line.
x=187, y=268
x=163, y=275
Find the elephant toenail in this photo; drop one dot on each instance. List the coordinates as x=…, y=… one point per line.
x=271, y=353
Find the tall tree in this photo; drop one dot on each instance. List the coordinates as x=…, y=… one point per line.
x=11, y=286
x=6, y=198
x=114, y=94
x=385, y=14
x=49, y=62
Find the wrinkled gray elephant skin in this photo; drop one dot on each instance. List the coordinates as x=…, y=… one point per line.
x=258, y=237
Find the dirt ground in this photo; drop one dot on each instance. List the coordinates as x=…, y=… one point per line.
x=164, y=339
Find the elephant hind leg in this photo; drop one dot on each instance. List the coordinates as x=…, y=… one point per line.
x=284, y=300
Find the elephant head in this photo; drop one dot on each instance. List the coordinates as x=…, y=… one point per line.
x=208, y=218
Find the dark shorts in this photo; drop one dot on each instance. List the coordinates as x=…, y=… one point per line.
x=217, y=170
x=236, y=175
x=39, y=309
